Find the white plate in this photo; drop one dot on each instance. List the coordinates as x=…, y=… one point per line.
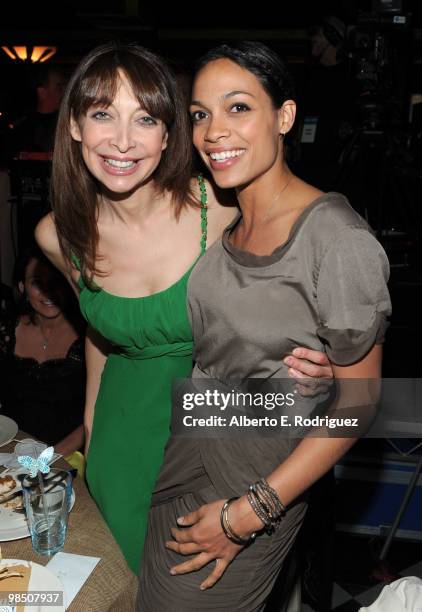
x=8, y=429
x=14, y=473
x=41, y=579
x=13, y=525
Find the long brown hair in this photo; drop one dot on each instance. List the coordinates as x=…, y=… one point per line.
x=74, y=191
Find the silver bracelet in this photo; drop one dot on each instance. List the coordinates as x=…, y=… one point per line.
x=227, y=528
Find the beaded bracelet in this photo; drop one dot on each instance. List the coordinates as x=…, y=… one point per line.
x=266, y=504
x=260, y=511
x=280, y=508
x=227, y=528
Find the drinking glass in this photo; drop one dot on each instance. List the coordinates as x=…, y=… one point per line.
x=47, y=508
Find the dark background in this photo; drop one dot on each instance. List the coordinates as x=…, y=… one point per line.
x=181, y=32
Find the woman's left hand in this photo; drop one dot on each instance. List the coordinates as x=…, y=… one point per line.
x=312, y=371
x=205, y=537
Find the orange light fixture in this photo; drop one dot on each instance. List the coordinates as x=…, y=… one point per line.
x=30, y=54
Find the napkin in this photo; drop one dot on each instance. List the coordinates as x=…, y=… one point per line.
x=72, y=571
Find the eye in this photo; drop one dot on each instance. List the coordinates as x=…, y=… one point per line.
x=239, y=107
x=100, y=115
x=198, y=115
x=147, y=120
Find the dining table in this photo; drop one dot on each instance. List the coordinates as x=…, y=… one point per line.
x=112, y=586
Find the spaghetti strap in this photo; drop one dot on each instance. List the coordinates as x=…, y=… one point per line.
x=75, y=261
x=204, y=200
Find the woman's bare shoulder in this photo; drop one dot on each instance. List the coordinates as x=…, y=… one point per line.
x=46, y=234
x=48, y=241
x=306, y=193
x=221, y=203
x=221, y=210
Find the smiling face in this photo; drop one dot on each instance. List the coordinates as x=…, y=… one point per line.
x=44, y=289
x=121, y=143
x=236, y=128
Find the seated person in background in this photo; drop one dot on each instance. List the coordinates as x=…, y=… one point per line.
x=42, y=357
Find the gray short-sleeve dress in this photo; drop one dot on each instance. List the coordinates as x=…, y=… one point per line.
x=324, y=288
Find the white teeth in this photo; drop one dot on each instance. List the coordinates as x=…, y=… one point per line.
x=120, y=164
x=226, y=154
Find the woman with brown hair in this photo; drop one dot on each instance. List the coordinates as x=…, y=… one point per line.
x=129, y=225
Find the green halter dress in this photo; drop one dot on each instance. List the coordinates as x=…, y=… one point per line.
x=152, y=344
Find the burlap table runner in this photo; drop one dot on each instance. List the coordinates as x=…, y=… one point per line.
x=112, y=585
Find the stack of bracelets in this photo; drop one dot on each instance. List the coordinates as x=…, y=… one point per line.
x=265, y=503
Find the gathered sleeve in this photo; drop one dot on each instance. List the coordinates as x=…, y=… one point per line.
x=352, y=295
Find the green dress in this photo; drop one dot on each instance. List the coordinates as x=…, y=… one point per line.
x=152, y=345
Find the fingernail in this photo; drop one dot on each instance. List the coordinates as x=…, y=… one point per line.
x=180, y=520
x=202, y=587
x=173, y=572
x=296, y=352
x=288, y=361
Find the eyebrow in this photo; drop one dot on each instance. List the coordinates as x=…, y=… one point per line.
x=101, y=104
x=230, y=94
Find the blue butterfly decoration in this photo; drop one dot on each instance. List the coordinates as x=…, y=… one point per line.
x=41, y=464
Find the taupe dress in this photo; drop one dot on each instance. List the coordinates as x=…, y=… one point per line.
x=324, y=288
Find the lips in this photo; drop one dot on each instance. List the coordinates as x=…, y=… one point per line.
x=119, y=166
x=223, y=155
x=49, y=303
x=116, y=163
x=220, y=160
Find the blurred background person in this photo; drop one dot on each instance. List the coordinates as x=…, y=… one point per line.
x=35, y=131
x=327, y=41
x=328, y=104
x=42, y=356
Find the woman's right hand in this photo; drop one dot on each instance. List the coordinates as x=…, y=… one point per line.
x=311, y=369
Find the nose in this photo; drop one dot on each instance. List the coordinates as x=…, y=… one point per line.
x=45, y=289
x=217, y=129
x=122, y=138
